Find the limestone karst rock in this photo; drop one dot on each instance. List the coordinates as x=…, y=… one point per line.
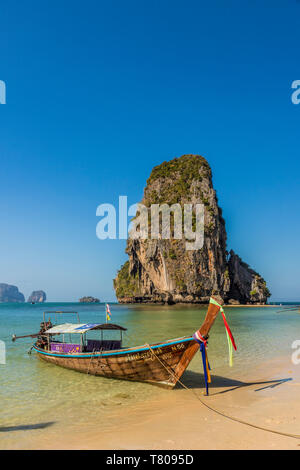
x=246, y=285
x=89, y=300
x=162, y=270
x=10, y=293
x=37, y=296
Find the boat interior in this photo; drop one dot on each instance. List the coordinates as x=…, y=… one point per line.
x=80, y=337
x=90, y=345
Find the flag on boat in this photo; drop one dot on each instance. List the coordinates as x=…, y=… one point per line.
x=108, y=314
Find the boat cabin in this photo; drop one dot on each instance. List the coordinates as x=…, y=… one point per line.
x=72, y=338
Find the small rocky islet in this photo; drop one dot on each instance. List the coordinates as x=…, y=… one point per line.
x=37, y=296
x=163, y=271
x=10, y=293
x=89, y=300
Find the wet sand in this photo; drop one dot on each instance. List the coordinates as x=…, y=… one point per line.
x=265, y=396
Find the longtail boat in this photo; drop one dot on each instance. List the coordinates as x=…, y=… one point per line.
x=159, y=363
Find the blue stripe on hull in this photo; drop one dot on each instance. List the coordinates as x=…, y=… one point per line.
x=128, y=351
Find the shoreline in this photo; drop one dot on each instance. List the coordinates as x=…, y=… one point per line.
x=254, y=305
x=266, y=396
x=180, y=421
x=153, y=304
x=87, y=412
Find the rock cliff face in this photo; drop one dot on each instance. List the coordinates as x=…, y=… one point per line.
x=10, y=293
x=246, y=285
x=163, y=270
x=37, y=296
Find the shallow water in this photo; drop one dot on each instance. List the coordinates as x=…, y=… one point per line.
x=36, y=397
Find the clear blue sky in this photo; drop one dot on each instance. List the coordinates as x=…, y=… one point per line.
x=100, y=92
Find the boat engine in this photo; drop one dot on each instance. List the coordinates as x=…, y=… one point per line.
x=42, y=339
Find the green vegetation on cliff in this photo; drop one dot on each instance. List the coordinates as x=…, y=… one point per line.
x=181, y=172
x=162, y=269
x=125, y=284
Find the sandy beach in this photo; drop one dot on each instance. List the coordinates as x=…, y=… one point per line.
x=266, y=396
x=150, y=223
x=87, y=412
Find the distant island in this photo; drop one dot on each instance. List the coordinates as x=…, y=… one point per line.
x=162, y=270
x=10, y=293
x=37, y=296
x=89, y=300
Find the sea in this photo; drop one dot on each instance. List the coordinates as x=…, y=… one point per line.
x=41, y=398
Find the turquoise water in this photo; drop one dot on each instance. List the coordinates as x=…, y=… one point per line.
x=33, y=392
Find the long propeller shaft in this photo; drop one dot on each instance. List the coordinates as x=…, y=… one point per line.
x=14, y=337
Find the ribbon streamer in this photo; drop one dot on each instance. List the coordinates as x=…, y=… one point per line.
x=206, y=366
x=230, y=338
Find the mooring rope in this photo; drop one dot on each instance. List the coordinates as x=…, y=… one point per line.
x=92, y=357
x=220, y=413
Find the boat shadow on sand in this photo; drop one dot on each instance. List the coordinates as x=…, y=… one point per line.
x=26, y=427
x=194, y=380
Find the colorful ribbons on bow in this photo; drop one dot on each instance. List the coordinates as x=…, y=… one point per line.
x=230, y=338
x=206, y=367
x=203, y=344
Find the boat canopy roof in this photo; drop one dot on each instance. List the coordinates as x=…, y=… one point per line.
x=82, y=328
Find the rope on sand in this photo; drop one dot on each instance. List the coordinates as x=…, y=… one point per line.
x=220, y=413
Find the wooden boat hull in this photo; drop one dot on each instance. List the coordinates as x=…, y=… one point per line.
x=161, y=363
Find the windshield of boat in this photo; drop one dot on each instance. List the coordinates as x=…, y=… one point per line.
x=61, y=316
